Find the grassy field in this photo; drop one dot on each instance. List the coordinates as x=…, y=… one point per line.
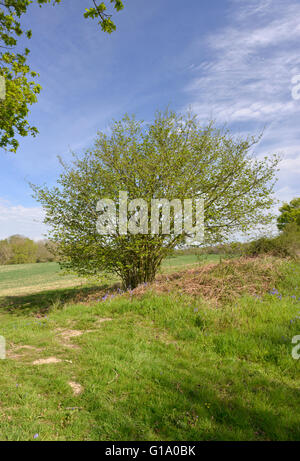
x=33, y=287
x=153, y=364
x=20, y=279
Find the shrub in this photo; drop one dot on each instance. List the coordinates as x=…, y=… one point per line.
x=286, y=244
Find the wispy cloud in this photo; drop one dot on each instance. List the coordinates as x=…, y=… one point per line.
x=246, y=82
x=249, y=73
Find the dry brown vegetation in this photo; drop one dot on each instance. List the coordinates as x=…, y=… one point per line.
x=220, y=282
x=215, y=282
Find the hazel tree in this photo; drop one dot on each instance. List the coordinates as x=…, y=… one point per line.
x=174, y=157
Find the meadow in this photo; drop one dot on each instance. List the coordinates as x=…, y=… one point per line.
x=203, y=353
x=29, y=278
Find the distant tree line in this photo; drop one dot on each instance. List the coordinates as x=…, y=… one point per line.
x=18, y=249
x=285, y=244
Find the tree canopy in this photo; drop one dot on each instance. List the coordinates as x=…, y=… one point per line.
x=289, y=213
x=18, y=249
x=21, y=88
x=172, y=158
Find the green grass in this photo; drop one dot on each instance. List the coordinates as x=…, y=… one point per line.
x=165, y=367
x=32, y=288
x=181, y=262
x=27, y=278
x=22, y=279
x=36, y=287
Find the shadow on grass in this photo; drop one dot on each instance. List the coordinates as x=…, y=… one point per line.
x=42, y=302
x=247, y=406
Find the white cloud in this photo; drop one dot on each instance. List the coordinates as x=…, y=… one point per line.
x=252, y=8
x=286, y=194
x=17, y=219
x=291, y=164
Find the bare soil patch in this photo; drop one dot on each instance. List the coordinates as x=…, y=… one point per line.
x=102, y=320
x=16, y=351
x=46, y=361
x=76, y=387
x=65, y=337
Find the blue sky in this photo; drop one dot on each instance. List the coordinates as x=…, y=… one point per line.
x=231, y=60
